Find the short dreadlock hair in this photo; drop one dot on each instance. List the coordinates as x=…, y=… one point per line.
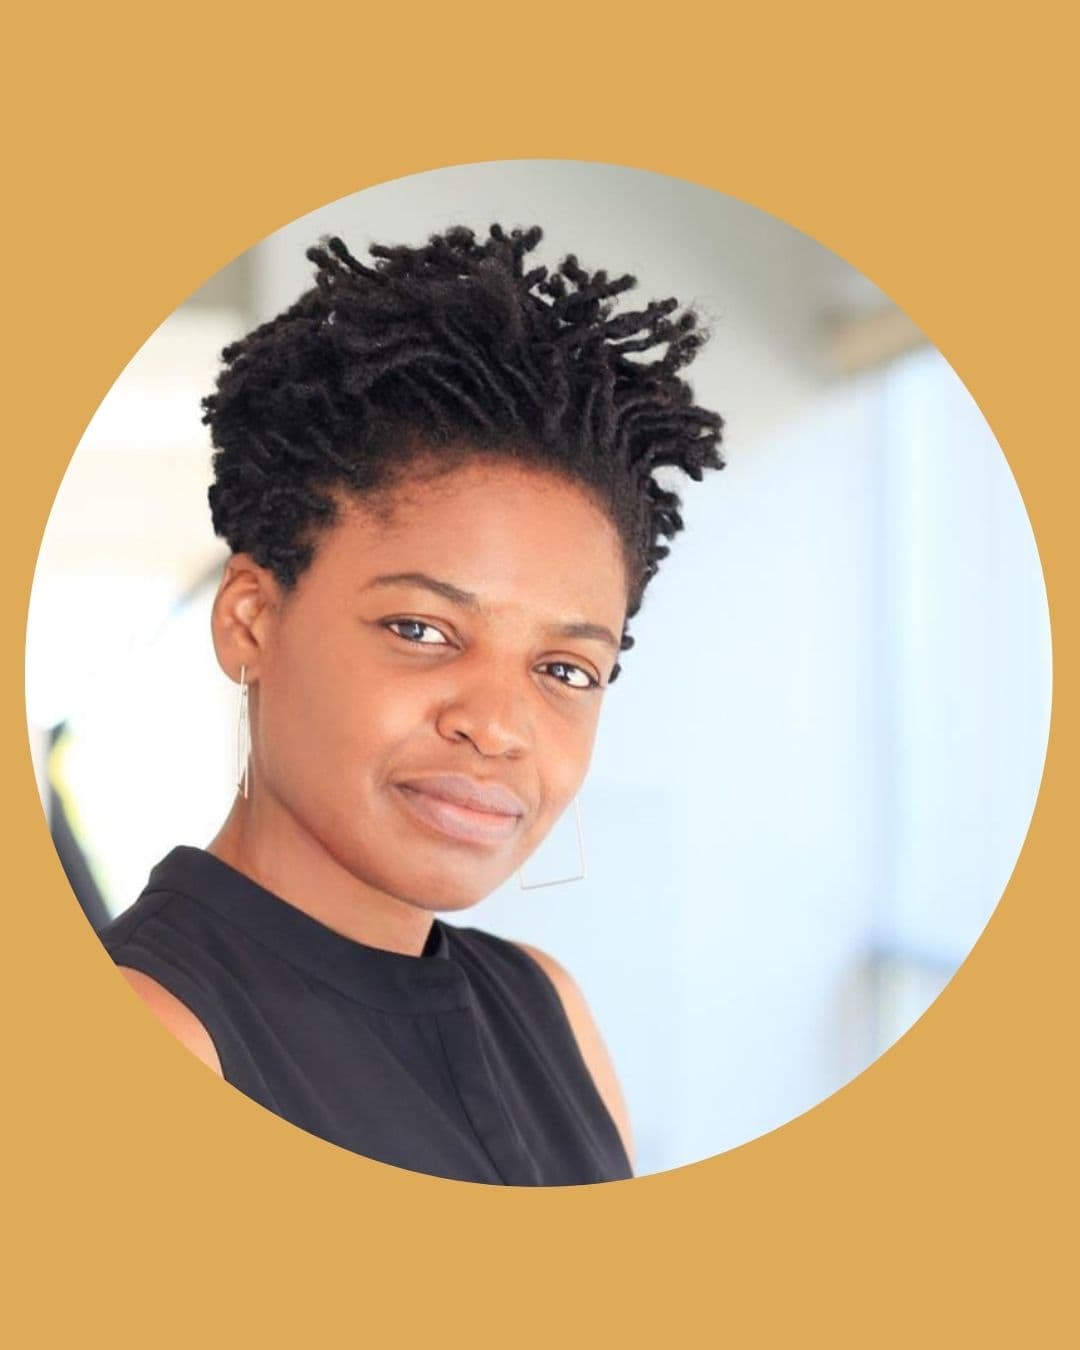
x=444, y=352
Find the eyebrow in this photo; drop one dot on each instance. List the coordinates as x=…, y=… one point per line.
x=467, y=600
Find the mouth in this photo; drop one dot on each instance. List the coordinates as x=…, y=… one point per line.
x=452, y=820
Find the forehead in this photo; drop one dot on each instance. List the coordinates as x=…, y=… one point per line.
x=517, y=537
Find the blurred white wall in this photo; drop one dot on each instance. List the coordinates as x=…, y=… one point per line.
x=814, y=775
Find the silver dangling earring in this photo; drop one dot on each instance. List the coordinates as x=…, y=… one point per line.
x=536, y=885
x=243, y=736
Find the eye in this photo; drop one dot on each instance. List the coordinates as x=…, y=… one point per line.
x=583, y=681
x=437, y=641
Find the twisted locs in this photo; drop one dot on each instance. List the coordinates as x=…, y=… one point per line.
x=445, y=351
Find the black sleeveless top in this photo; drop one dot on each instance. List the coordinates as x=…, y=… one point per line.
x=460, y=1062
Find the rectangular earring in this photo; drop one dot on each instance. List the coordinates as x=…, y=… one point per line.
x=558, y=881
x=243, y=736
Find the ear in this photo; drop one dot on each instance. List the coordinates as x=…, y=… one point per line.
x=247, y=602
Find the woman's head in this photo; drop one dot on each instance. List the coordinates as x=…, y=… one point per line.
x=437, y=485
x=465, y=631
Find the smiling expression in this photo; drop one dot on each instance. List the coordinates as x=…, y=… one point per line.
x=424, y=702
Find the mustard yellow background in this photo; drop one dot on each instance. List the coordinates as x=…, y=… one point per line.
x=932, y=1201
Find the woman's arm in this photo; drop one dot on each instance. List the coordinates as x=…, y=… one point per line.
x=175, y=1016
x=593, y=1049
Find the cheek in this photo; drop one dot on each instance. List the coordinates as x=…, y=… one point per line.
x=328, y=721
x=563, y=767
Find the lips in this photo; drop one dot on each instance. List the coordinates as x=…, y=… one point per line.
x=463, y=808
x=492, y=798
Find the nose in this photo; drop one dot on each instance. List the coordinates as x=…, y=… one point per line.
x=489, y=713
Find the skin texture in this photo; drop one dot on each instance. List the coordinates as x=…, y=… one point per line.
x=342, y=707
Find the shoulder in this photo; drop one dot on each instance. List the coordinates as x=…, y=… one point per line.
x=593, y=1050
x=174, y=1015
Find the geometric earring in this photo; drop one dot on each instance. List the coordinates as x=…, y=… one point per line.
x=243, y=736
x=558, y=881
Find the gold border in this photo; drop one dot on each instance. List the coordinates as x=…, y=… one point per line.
x=923, y=1203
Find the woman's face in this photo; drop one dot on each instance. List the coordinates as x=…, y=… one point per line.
x=460, y=645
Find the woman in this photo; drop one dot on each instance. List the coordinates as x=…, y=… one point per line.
x=436, y=477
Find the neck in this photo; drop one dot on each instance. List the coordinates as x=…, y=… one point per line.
x=265, y=842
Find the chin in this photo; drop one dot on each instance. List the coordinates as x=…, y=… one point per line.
x=448, y=891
